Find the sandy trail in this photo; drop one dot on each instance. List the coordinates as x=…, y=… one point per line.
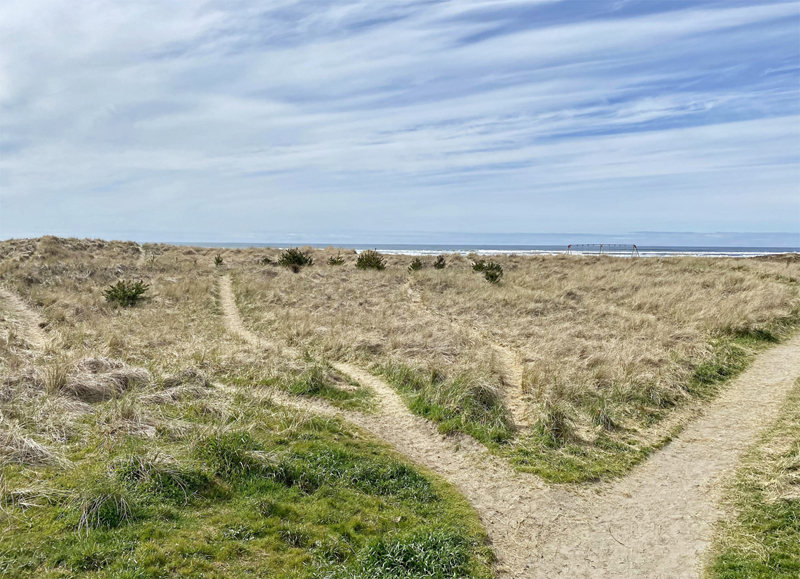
x=514, y=396
x=233, y=321
x=27, y=323
x=656, y=523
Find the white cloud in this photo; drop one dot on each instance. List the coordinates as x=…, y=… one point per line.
x=258, y=103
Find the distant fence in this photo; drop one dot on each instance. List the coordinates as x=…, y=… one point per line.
x=599, y=248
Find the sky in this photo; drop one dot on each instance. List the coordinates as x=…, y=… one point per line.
x=386, y=120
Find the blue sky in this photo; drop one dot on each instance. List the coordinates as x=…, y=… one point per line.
x=270, y=120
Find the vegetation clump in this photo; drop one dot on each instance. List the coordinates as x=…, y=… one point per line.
x=337, y=260
x=218, y=261
x=294, y=259
x=126, y=293
x=266, y=260
x=440, y=262
x=415, y=265
x=492, y=272
x=370, y=259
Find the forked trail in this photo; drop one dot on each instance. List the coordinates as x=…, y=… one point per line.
x=656, y=523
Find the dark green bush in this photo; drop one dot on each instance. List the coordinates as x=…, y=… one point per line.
x=338, y=260
x=267, y=261
x=440, y=262
x=479, y=265
x=492, y=272
x=218, y=260
x=370, y=259
x=416, y=265
x=294, y=258
x=126, y=293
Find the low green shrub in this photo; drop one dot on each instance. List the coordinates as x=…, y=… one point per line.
x=218, y=260
x=370, y=259
x=338, y=260
x=267, y=261
x=440, y=262
x=415, y=265
x=126, y=293
x=479, y=265
x=294, y=258
x=493, y=272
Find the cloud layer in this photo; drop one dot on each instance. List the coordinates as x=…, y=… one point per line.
x=250, y=120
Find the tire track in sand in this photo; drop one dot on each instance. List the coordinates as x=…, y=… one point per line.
x=656, y=523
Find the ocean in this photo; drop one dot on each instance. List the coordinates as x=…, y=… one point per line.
x=617, y=250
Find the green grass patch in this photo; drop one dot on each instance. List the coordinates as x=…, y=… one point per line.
x=258, y=492
x=459, y=404
x=763, y=540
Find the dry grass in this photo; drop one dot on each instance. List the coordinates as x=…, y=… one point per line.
x=612, y=346
x=608, y=349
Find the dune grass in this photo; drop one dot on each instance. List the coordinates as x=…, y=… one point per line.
x=762, y=540
x=616, y=352
x=143, y=442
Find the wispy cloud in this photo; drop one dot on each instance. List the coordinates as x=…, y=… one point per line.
x=249, y=117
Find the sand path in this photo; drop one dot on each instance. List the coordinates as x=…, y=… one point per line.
x=27, y=323
x=514, y=397
x=233, y=321
x=656, y=523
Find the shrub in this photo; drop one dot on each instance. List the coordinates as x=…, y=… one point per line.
x=492, y=272
x=416, y=265
x=370, y=259
x=338, y=260
x=439, y=263
x=294, y=258
x=126, y=293
x=479, y=265
x=218, y=260
x=267, y=261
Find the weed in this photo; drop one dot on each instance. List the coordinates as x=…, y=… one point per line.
x=479, y=265
x=218, y=260
x=370, y=259
x=415, y=265
x=126, y=293
x=266, y=260
x=440, y=262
